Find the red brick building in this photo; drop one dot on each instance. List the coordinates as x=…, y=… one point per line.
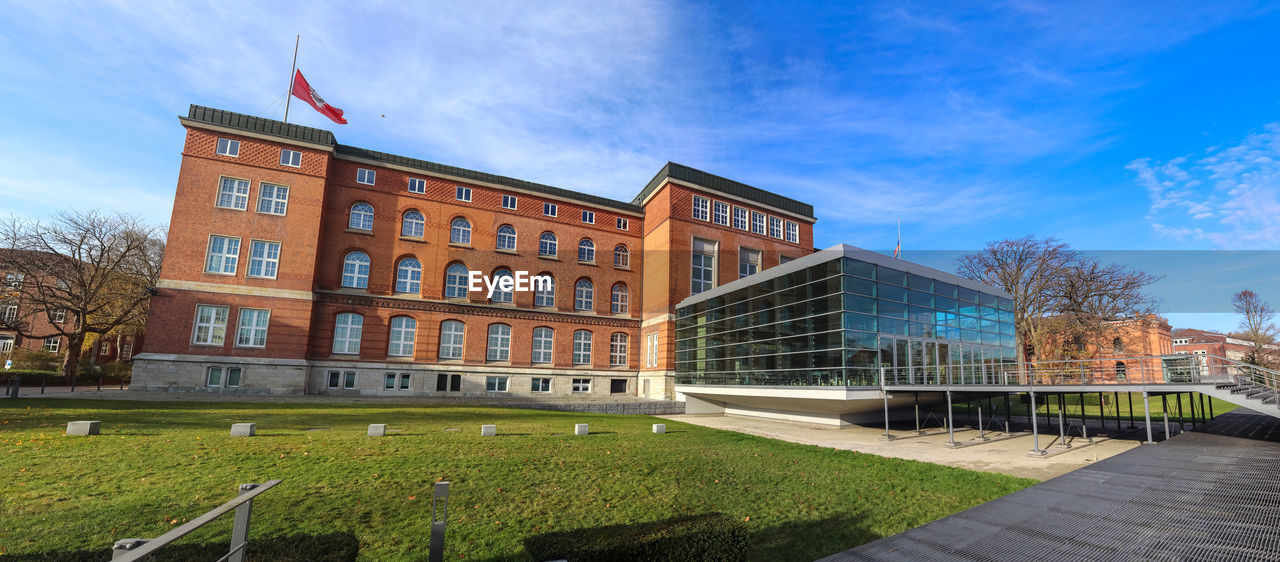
x=299, y=265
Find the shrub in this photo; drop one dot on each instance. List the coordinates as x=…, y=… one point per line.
x=34, y=360
x=709, y=536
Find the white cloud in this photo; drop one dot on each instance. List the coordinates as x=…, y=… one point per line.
x=1229, y=196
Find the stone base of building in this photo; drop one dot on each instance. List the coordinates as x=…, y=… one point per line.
x=156, y=372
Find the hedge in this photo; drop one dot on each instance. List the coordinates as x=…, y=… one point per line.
x=709, y=536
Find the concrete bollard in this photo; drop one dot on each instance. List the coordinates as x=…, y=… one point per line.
x=84, y=428
x=488, y=430
x=244, y=429
x=659, y=428
x=580, y=429
x=377, y=429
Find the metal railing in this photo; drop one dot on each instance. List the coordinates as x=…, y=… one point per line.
x=127, y=550
x=1146, y=370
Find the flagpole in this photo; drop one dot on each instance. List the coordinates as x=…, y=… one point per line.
x=898, y=253
x=288, y=96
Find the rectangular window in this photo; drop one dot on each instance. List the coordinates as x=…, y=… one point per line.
x=272, y=199
x=264, y=259
x=13, y=281
x=52, y=345
x=463, y=194
x=775, y=227
x=582, y=347
x=653, y=350
x=126, y=351
x=365, y=176
x=739, y=218
x=349, y=380
x=495, y=384
x=389, y=381
x=105, y=349
x=10, y=312
x=757, y=222
x=335, y=379
x=224, y=253
x=542, y=341
x=748, y=262
x=233, y=193
x=704, y=265
x=251, y=330
x=58, y=316
x=228, y=147
x=701, y=208
x=348, y=327
x=581, y=385
x=623, y=224
x=509, y=202
x=618, y=350
x=721, y=215
x=540, y=385
x=417, y=185
x=451, y=333
x=404, y=381
x=499, y=348
x=549, y=209
x=233, y=377
x=448, y=383
x=213, y=377
x=589, y=217
x=211, y=325
x=793, y=232
x=617, y=386
x=291, y=158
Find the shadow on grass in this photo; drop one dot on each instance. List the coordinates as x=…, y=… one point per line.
x=811, y=539
x=331, y=547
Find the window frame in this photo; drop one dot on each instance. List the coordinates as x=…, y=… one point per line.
x=418, y=182
x=535, y=387
x=793, y=232
x=620, y=305
x=274, y=200
x=582, y=347
x=701, y=208
x=229, y=144
x=623, y=224
x=513, y=199
x=619, y=347
x=352, y=216
x=757, y=264
x=406, y=283
x=234, y=194
x=775, y=227
x=366, y=176
x=213, y=325
x=543, y=244
x=289, y=162
x=493, y=382
x=584, y=297
x=405, y=345
x=504, y=239
x=588, y=246
x=497, y=348
x=717, y=207
x=545, y=299
x=226, y=257
x=625, y=254
x=759, y=223
x=357, y=275
x=499, y=296
x=588, y=217
x=745, y=218
x=55, y=348
x=454, y=287
x=350, y=346
x=580, y=386
x=265, y=260
x=417, y=228
x=543, y=336
x=552, y=207
x=462, y=193
x=462, y=230
x=253, y=328
x=450, y=343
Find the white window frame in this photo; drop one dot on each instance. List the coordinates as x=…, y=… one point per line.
x=540, y=384
x=619, y=302
x=582, y=347
x=228, y=259
x=227, y=147
x=360, y=225
x=498, y=343
x=741, y=218
x=753, y=266
x=389, y=380
x=588, y=217
x=10, y=313
x=793, y=232
x=509, y=199
x=580, y=386
x=543, y=244
x=58, y=316
x=701, y=208
x=544, y=339
x=236, y=192
x=618, y=352
x=550, y=210
x=757, y=222
x=775, y=227
x=584, y=297
x=401, y=339
x=653, y=349
x=495, y=383
x=720, y=213
x=505, y=241
x=464, y=232
x=462, y=193
x=104, y=348
x=413, y=228
x=216, y=325
x=273, y=198
x=360, y=275
x=625, y=255
x=500, y=296
x=348, y=329
x=252, y=329
x=126, y=351
x=547, y=298
x=366, y=176
x=709, y=260
x=455, y=284
x=417, y=185
x=624, y=224
x=451, y=342
x=290, y=158
x=586, y=254
x=408, y=277
x=210, y=379
x=267, y=263
x=52, y=345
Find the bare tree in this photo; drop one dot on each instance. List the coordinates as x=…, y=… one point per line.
x=95, y=270
x=1027, y=268
x=1090, y=293
x=1257, y=325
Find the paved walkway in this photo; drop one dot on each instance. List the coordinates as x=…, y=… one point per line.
x=1007, y=456
x=1211, y=494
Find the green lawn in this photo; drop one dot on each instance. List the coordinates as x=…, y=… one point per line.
x=1093, y=409
x=158, y=464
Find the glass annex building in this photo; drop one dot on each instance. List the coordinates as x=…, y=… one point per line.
x=836, y=317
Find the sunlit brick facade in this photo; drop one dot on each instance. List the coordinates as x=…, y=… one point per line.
x=299, y=265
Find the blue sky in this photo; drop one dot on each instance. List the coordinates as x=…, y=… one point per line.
x=1139, y=131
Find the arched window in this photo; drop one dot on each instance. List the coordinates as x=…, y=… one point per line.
x=361, y=217
x=619, y=301
x=506, y=237
x=412, y=224
x=403, y=331
x=451, y=337
x=1117, y=345
x=583, y=293
x=409, y=276
x=499, y=348
x=618, y=349
x=547, y=245
x=455, y=282
x=621, y=257
x=500, y=295
x=582, y=347
x=355, y=270
x=543, y=338
x=587, y=250
x=1120, y=371
x=346, y=333
x=460, y=231
x=544, y=294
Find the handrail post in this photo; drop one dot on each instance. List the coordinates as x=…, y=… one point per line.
x=1146, y=400
x=240, y=528
x=439, y=498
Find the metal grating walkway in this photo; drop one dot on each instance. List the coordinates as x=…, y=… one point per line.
x=1211, y=494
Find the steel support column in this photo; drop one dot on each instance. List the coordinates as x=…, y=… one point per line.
x=1181, y=426
x=1146, y=400
x=1164, y=408
x=951, y=426
x=1035, y=426
x=1131, y=425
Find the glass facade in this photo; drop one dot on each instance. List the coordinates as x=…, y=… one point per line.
x=839, y=323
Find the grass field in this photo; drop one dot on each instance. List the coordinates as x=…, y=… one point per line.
x=1110, y=406
x=158, y=464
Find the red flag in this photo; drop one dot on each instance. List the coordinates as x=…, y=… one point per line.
x=303, y=91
